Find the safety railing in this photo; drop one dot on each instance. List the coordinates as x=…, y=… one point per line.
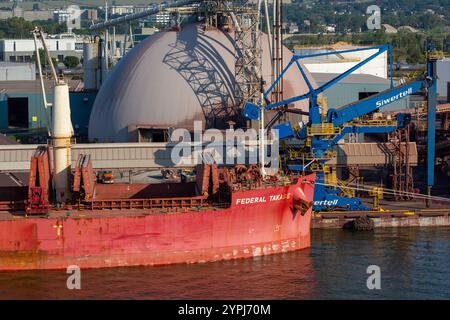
x=323, y=129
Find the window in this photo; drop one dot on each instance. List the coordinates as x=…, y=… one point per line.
x=78, y=46
x=12, y=59
x=60, y=58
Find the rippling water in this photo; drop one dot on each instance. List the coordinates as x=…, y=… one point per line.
x=415, y=264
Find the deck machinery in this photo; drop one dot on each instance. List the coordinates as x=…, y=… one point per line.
x=326, y=126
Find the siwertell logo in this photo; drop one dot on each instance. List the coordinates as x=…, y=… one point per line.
x=396, y=97
x=326, y=202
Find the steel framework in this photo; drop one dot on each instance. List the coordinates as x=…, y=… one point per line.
x=402, y=178
x=247, y=52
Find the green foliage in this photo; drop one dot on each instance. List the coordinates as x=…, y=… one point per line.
x=71, y=62
x=42, y=58
x=350, y=16
x=407, y=47
x=19, y=28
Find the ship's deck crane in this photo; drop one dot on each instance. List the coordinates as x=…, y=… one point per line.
x=326, y=127
x=61, y=128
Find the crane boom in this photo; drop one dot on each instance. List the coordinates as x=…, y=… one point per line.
x=370, y=104
x=324, y=130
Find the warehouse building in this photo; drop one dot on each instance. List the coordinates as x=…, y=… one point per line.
x=23, y=50
x=339, y=63
x=10, y=71
x=443, y=79
x=22, y=107
x=356, y=87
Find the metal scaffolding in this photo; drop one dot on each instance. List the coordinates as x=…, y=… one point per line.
x=402, y=178
x=247, y=52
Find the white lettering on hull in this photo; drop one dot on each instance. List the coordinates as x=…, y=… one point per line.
x=263, y=199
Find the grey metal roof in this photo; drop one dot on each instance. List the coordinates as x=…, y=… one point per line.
x=32, y=86
x=351, y=79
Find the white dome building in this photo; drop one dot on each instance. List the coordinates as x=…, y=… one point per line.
x=173, y=78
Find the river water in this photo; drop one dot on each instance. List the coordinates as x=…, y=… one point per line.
x=414, y=264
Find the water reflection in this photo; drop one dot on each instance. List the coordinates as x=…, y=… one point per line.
x=414, y=264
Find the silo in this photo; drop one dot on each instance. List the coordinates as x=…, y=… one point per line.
x=172, y=79
x=91, y=65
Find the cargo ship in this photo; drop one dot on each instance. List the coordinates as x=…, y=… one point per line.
x=227, y=213
x=65, y=216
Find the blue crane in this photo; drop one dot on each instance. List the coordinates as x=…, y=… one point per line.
x=324, y=130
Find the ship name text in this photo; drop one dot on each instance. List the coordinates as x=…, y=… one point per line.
x=263, y=199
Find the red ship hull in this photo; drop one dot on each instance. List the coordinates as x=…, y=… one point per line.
x=258, y=222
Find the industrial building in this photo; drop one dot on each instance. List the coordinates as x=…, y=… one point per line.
x=342, y=62
x=356, y=87
x=57, y=15
x=11, y=71
x=22, y=107
x=443, y=81
x=22, y=50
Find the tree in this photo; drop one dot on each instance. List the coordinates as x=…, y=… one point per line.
x=42, y=58
x=71, y=62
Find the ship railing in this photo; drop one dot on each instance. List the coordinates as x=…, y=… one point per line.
x=154, y=203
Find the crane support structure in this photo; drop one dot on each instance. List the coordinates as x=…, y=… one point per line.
x=326, y=128
x=431, y=120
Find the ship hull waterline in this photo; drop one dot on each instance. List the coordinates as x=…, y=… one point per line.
x=258, y=222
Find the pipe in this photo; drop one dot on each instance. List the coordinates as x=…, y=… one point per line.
x=270, y=40
x=41, y=78
x=153, y=10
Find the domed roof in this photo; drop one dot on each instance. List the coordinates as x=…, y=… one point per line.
x=173, y=78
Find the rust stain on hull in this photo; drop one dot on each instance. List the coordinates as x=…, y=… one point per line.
x=245, y=229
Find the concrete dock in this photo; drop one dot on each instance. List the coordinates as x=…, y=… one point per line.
x=394, y=214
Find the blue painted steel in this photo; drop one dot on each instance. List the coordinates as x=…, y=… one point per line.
x=431, y=122
x=310, y=87
x=315, y=55
x=251, y=111
x=359, y=108
x=314, y=93
x=285, y=130
x=279, y=77
x=403, y=119
x=330, y=197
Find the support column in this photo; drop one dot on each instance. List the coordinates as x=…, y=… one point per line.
x=431, y=126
